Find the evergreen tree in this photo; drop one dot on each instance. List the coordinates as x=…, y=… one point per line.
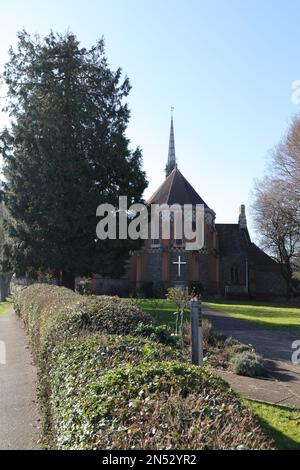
x=65, y=153
x=5, y=274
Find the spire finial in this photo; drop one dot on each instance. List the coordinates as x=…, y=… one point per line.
x=171, y=156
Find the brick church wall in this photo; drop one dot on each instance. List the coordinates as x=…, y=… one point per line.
x=269, y=283
x=153, y=267
x=204, y=270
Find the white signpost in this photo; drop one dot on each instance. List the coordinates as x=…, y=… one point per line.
x=2, y=353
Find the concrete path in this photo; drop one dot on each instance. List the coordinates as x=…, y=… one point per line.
x=282, y=386
x=19, y=419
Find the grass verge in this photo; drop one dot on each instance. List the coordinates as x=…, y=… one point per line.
x=279, y=423
x=4, y=306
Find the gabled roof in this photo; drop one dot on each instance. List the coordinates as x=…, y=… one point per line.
x=234, y=240
x=260, y=257
x=176, y=190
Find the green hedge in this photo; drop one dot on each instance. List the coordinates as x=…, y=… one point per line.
x=54, y=313
x=103, y=385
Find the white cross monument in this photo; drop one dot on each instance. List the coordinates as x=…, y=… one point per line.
x=179, y=263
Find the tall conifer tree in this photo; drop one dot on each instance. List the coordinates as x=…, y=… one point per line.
x=65, y=153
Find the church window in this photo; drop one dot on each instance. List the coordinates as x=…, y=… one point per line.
x=155, y=242
x=234, y=274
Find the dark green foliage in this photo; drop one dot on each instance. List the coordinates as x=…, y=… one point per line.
x=146, y=290
x=4, y=260
x=161, y=333
x=196, y=288
x=85, y=287
x=65, y=154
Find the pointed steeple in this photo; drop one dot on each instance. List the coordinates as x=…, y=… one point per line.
x=171, y=156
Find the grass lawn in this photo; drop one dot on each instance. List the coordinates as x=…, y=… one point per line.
x=279, y=423
x=3, y=307
x=269, y=315
x=160, y=309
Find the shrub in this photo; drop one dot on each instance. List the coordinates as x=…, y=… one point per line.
x=160, y=333
x=179, y=297
x=219, y=337
x=230, y=341
x=146, y=290
x=240, y=348
x=196, y=289
x=249, y=364
x=84, y=287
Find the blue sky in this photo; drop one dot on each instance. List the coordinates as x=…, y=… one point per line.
x=227, y=67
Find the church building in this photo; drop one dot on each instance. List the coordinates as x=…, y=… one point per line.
x=228, y=264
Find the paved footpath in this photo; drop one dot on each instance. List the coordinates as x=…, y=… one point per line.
x=282, y=386
x=19, y=419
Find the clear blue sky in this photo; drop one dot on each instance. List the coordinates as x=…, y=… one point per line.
x=227, y=67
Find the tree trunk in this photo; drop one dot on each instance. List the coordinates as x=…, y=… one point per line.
x=287, y=274
x=68, y=280
x=4, y=286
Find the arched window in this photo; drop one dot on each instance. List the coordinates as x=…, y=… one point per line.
x=234, y=274
x=155, y=243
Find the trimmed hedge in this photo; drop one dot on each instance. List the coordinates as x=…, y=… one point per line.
x=53, y=314
x=104, y=385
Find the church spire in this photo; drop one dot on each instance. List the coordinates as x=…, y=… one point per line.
x=171, y=156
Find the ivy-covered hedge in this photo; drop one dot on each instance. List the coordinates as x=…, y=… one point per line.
x=133, y=402
x=108, y=380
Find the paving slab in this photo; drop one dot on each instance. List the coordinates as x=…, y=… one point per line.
x=282, y=386
x=19, y=417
